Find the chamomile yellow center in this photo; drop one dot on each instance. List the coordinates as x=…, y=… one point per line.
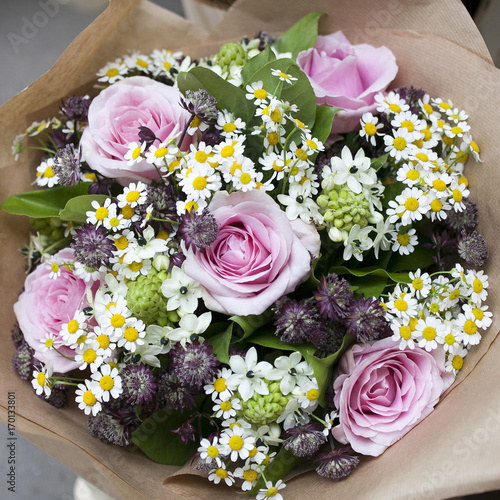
x=370, y=129
x=89, y=399
x=236, y=443
x=131, y=334
x=429, y=333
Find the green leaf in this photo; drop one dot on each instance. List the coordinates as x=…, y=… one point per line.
x=369, y=285
x=323, y=123
x=76, y=208
x=227, y=95
x=284, y=462
x=419, y=258
x=220, y=343
x=271, y=341
x=374, y=271
x=156, y=439
x=43, y=203
x=249, y=324
x=378, y=163
x=254, y=65
x=301, y=36
x=323, y=367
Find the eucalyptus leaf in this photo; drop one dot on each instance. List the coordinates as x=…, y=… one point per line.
x=156, y=439
x=76, y=208
x=43, y=203
x=227, y=95
x=301, y=36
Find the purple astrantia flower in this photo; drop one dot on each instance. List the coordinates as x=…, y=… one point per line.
x=198, y=230
x=91, y=246
x=366, y=319
x=466, y=219
x=138, y=384
x=147, y=136
x=412, y=96
x=472, y=248
x=17, y=335
x=200, y=104
x=304, y=440
x=333, y=296
x=67, y=165
x=58, y=397
x=173, y=394
x=23, y=361
x=101, y=186
x=112, y=425
x=265, y=39
x=211, y=136
x=328, y=337
x=162, y=198
x=186, y=432
x=76, y=108
x=295, y=321
x=336, y=464
x=194, y=365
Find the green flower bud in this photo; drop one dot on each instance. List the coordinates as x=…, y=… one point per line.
x=52, y=228
x=262, y=410
x=161, y=263
x=145, y=300
x=231, y=54
x=322, y=201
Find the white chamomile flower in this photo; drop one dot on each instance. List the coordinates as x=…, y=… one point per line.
x=479, y=314
x=133, y=195
x=370, y=127
x=473, y=147
x=221, y=474
x=190, y=328
x=420, y=283
x=107, y=344
x=112, y=72
x=455, y=360
x=450, y=337
x=135, y=268
x=135, y=153
x=108, y=383
x=256, y=93
x=399, y=145
x=181, y=291
x=48, y=341
x=237, y=443
x=329, y=419
x=248, y=374
x=139, y=61
x=249, y=473
x=89, y=274
x=162, y=154
x=86, y=398
x=308, y=395
x=72, y=330
x=412, y=203
x=226, y=409
x=219, y=388
x=147, y=217
x=45, y=175
x=201, y=182
x=429, y=332
x=89, y=355
x=457, y=129
x=183, y=206
x=405, y=242
x=149, y=246
x=458, y=193
x=412, y=123
x=271, y=491
x=209, y=451
x=244, y=179
x=134, y=332
x=229, y=125
x=55, y=267
x=391, y=103
x=478, y=284
x=402, y=333
x=41, y=381
x=100, y=213
x=284, y=77
x=402, y=304
x=115, y=222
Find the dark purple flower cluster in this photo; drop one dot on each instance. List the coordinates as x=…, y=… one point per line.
x=67, y=165
x=76, y=108
x=336, y=464
x=92, y=246
x=200, y=104
x=198, y=230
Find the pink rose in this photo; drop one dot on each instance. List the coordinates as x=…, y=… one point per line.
x=258, y=256
x=115, y=116
x=347, y=76
x=382, y=392
x=45, y=305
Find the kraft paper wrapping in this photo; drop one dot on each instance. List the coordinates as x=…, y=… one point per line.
x=456, y=450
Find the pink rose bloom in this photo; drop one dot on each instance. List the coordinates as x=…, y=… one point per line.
x=382, y=392
x=347, y=76
x=258, y=256
x=45, y=305
x=115, y=116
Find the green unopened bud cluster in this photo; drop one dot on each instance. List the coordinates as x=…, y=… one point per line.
x=231, y=54
x=52, y=228
x=342, y=208
x=262, y=410
x=146, y=302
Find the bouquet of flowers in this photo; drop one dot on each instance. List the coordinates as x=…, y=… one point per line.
x=262, y=258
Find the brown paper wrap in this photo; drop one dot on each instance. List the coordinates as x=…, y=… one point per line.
x=456, y=450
